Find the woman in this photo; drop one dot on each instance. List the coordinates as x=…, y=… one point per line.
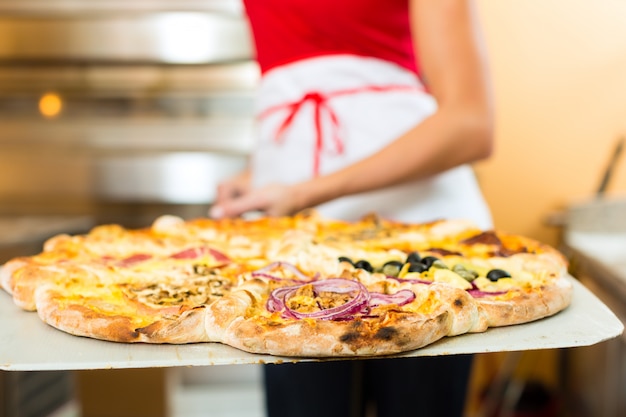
x=367, y=106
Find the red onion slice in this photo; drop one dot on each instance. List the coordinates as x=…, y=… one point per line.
x=339, y=286
x=360, y=297
x=478, y=293
x=400, y=298
x=276, y=301
x=360, y=303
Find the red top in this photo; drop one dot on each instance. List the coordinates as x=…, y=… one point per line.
x=289, y=30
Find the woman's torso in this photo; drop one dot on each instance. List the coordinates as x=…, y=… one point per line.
x=367, y=121
x=286, y=31
x=345, y=105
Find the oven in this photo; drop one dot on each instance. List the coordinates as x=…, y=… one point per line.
x=120, y=111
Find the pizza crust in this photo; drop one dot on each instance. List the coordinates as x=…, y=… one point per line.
x=359, y=337
x=82, y=320
x=526, y=306
x=7, y=272
x=189, y=327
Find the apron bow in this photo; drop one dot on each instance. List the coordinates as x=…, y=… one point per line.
x=323, y=110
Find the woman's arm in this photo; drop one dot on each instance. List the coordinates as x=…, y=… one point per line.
x=452, y=59
x=460, y=131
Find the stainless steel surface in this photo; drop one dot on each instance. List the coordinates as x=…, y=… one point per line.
x=166, y=37
x=52, y=7
x=607, y=215
x=177, y=177
x=596, y=375
x=126, y=127
x=120, y=111
x=148, y=103
x=126, y=81
x=182, y=31
x=595, y=237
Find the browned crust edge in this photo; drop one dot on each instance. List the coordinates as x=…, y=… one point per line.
x=80, y=320
x=338, y=339
x=528, y=306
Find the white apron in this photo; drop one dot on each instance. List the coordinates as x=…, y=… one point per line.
x=321, y=114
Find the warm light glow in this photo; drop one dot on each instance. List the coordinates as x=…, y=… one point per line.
x=189, y=37
x=50, y=105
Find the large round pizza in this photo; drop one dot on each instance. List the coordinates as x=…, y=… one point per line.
x=302, y=286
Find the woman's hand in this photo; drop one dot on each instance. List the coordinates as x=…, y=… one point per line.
x=271, y=200
x=233, y=187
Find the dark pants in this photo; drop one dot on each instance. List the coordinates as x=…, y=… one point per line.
x=426, y=386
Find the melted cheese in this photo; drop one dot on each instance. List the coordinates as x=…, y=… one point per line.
x=451, y=278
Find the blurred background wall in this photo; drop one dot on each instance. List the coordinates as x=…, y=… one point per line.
x=559, y=72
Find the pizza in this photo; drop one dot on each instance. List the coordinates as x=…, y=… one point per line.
x=299, y=286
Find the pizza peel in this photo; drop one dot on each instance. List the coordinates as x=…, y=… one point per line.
x=28, y=344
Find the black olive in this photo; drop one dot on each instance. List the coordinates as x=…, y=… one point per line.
x=496, y=274
x=413, y=258
x=391, y=268
x=345, y=259
x=429, y=261
x=363, y=264
x=417, y=267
